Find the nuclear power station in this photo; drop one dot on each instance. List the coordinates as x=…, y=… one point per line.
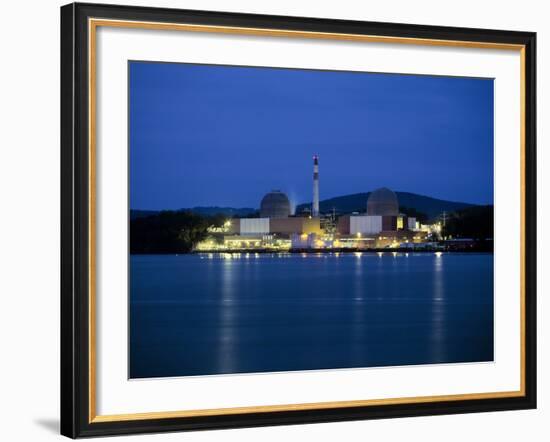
x=381, y=225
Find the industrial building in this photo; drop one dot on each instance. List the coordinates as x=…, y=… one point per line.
x=275, y=204
x=382, y=215
x=281, y=226
x=382, y=202
x=381, y=225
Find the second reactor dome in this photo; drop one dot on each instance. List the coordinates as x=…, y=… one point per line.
x=275, y=204
x=383, y=202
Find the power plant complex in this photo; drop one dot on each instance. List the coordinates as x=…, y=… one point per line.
x=381, y=225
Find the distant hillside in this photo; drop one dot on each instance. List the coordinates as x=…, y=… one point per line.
x=135, y=214
x=204, y=211
x=227, y=211
x=357, y=202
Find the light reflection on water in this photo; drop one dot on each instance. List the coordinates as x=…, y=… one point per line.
x=226, y=330
x=358, y=313
x=438, y=310
x=252, y=312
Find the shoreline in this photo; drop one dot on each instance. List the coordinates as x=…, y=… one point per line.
x=346, y=250
x=320, y=251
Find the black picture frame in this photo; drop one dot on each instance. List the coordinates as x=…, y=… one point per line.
x=75, y=221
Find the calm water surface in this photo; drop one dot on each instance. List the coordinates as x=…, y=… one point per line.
x=213, y=314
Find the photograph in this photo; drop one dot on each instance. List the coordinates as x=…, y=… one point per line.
x=284, y=220
x=289, y=217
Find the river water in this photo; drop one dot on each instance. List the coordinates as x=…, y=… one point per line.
x=229, y=313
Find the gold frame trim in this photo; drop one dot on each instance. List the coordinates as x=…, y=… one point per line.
x=93, y=24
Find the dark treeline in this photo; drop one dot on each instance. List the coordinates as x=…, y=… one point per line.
x=474, y=222
x=255, y=214
x=413, y=213
x=170, y=231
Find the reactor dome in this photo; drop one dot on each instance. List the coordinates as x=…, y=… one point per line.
x=275, y=204
x=383, y=202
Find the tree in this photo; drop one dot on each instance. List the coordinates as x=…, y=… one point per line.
x=473, y=222
x=255, y=214
x=413, y=213
x=170, y=232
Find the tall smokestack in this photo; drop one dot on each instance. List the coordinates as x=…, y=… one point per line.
x=315, y=205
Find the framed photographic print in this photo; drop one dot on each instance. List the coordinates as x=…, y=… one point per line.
x=274, y=220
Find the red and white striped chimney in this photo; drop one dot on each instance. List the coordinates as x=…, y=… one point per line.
x=315, y=205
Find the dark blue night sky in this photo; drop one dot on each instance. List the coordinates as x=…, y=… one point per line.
x=222, y=135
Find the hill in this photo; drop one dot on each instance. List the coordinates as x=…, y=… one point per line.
x=357, y=202
x=135, y=214
x=201, y=210
x=227, y=211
